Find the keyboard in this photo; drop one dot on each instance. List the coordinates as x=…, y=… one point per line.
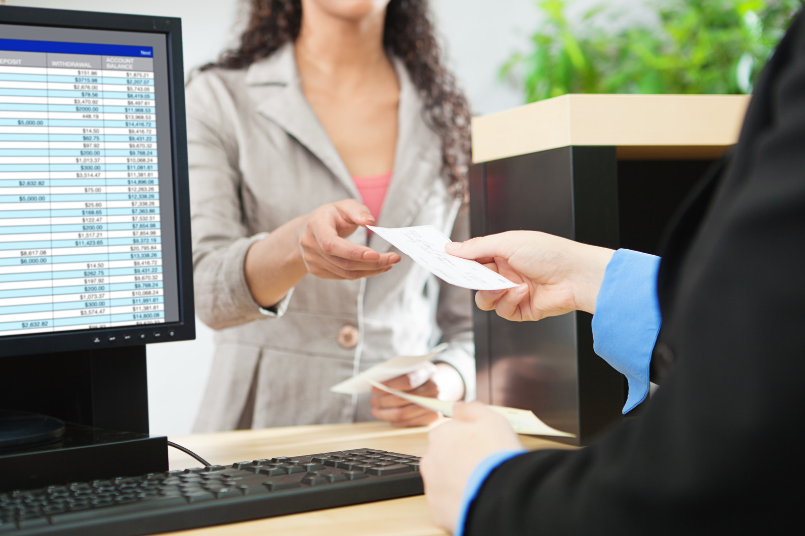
x=213, y=495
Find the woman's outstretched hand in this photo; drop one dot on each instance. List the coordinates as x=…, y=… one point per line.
x=555, y=275
x=325, y=251
x=313, y=244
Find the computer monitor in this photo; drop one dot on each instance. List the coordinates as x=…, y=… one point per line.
x=95, y=253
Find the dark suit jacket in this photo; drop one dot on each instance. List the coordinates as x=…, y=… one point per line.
x=720, y=447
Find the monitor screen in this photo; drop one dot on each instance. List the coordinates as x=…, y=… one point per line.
x=88, y=226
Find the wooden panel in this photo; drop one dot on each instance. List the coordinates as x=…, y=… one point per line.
x=398, y=517
x=707, y=123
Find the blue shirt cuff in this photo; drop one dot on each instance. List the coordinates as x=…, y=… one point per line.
x=482, y=470
x=627, y=319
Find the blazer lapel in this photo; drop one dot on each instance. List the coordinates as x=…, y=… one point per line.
x=417, y=162
x=276, y=85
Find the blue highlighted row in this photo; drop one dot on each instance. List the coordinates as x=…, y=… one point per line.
x=76, y=212
x=131, y=138
x=84, y=123
x=68, y=306
x=79, y=243
x=76, y=228
x=95, y=49
x=100, y=257
x=75, y=274
x=84, y=320
x=86, y=153
x=64, y=198
x=71, y=79
x=80, y=289
x=61, y=93
x=76, y=108
x=64, y=183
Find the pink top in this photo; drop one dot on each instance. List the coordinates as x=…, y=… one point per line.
x=373, y=191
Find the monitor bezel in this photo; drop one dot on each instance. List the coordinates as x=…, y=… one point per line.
x=184, y=328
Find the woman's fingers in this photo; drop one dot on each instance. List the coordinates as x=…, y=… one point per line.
x=408, y=415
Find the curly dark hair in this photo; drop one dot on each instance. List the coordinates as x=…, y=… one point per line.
x=407, y=34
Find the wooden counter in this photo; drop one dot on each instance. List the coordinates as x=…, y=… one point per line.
x=398, y=517
x=640, y=126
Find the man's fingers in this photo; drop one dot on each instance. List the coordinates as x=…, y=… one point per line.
x=484, y=248
x=469, y=411
x=487, y=300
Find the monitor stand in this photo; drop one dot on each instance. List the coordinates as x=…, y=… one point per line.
x=22, y=429
x=101, y=396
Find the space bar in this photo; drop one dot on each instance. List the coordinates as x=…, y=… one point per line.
x=117, y=510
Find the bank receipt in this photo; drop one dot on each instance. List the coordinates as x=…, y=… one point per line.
x=425, y=245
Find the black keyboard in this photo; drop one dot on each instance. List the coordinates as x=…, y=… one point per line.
x=177, y=500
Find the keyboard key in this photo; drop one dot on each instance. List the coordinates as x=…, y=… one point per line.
x=224, y=493
x=390, y=470
x=354, y=475
x=291, y=469
x=314, y=480
x=199, y=496
x=312, y=467
x=279, y=486
x=123, y=509
x=253, y=489
x=273, y=471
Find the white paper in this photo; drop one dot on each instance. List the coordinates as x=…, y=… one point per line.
x=425, y=245
x=403, y=364
x=523, y=421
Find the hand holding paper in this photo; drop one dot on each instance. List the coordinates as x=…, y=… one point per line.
x=425, y=245
x=522, y=420
x=403, y=364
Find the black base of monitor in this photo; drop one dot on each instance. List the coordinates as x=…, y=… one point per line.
x=22, y=429
x=101, y=395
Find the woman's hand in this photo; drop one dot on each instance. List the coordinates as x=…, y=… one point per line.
x=556, y=275
x=313, y=244
x=325, y=251
x=455, y=449
x=432, y=380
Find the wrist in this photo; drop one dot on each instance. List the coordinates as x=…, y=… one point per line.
x=589, y=275
x=449, y=382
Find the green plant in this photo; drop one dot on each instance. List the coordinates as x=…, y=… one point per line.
x=696, y=46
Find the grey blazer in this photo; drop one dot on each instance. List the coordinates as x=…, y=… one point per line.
x=258, y=158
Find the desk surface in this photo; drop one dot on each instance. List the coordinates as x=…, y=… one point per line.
x=398, y=517
x=642, y=127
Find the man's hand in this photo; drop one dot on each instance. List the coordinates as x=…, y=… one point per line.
x=325, y=251
x=435, y=381
x=455, y=448
x=556, y=275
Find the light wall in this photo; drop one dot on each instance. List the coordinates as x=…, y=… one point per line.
x=479, y=35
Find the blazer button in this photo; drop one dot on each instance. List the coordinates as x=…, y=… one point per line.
x=348, y=336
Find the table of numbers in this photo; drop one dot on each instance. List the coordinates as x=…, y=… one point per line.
x=80, y=236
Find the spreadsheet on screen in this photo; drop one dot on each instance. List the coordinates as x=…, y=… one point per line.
x=85, y=186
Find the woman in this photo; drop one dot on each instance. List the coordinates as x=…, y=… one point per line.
x=330, y=115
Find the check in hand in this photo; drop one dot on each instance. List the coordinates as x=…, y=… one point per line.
x=554, y=275
x=328, y=254
x=430, y=380
x=455, y=448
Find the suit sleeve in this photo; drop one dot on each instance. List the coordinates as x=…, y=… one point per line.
x=220, y=238
x=718, y=449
